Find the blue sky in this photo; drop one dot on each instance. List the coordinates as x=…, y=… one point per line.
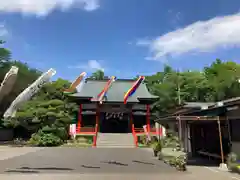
x=123, y=37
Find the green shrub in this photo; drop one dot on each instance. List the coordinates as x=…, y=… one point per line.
x=157, y=147
x=89, y=139
x=171, y=140
x=143, y=141
x=80, y=141
x=232, y=158
x=172, y=161
x=160, y=156
x=232, y=163
x=53, y=102
x=180, y=163
x=84, y=139
x=61, y=132
x=45, y=139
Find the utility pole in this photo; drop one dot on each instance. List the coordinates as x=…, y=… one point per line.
x=178, y=91
x=179, y=103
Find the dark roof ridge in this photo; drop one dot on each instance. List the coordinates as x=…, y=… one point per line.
x=104, y=80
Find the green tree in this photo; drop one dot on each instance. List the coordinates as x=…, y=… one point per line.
x=5, y=54
x=47, y=115
x=98, y=75
x=164, y=85
x=223, y=79
x=216, y=82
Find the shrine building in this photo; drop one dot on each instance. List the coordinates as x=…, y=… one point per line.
x=111, y=114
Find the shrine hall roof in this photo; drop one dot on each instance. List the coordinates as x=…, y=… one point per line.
x=91, y=88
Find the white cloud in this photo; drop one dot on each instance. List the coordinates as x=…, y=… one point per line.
x=201, y=36
x=44, y=7
x=91, y=65
x=3, y=30
x=94, y=64
x=143, y=42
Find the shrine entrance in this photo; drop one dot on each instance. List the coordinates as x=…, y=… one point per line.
x=114, y=123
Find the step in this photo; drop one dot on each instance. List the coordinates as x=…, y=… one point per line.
x=115, y=144
x=112, y=140
x=115, y=147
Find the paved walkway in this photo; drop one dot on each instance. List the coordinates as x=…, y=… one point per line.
x=95, y=163
x=7, y=152
x=85, y=160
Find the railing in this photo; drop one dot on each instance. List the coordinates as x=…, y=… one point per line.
x=139, y=130
x=152, y=130
x=87, y=129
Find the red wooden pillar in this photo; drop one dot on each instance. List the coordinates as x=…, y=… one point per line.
x=133, y=129
x=96, y=127
x=131, y=121
x=97, y=118
x=148, y=117
x=79, y=118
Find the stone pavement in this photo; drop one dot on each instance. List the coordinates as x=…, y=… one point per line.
x=94, y=163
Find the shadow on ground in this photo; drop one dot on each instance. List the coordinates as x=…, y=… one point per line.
x=90, y=167
x=48, y=168
x=84, y=160
x=203, y=162
x=36, y=170
x=114, y=163
x=22, y=171
x=142, y=162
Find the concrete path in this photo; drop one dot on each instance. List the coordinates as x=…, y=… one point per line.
x=95, y=163
x=7, y=152
x=85, y=160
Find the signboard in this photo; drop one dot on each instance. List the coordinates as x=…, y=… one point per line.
x=146, y=132
x=114, y=115
x=72, y=130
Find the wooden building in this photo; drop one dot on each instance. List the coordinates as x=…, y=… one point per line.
x=208, y=129
x=112, y=115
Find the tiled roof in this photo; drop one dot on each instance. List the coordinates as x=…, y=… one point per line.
x=91, y=88
x=135, y=107
x=198, y=104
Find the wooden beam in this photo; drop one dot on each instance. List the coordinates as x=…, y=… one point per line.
x=200, y=118
x=196, y=118
x=180, y=132
x=220, y=140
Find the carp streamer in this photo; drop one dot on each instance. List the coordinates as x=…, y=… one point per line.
x=133, y=89
x=29, y=92
x=75, y=83
x=103, y=93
